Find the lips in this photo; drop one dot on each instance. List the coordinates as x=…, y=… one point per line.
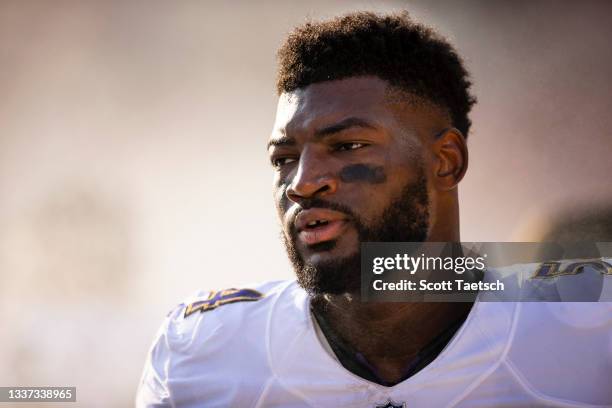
x=319, y=225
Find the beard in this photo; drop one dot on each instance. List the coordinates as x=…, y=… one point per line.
x=405, y=220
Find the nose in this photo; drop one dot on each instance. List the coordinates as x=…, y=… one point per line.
x=313, y=178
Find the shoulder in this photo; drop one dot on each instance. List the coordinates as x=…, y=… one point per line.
x=567, y=280
x=219, y=315
x=209, y=337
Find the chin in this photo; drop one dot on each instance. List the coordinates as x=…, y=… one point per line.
x=327, y=252
x=329, y=272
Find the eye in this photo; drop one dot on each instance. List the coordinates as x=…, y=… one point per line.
x=350, y=146
x=282, y=161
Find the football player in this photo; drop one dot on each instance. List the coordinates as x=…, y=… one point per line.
x=369, y=144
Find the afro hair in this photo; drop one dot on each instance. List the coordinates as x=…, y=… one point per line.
x=406, y=54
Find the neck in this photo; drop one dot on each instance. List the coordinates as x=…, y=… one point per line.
x=444, y=227
x=391, y=334
x=396, y=332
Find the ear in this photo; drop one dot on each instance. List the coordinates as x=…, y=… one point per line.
x=451, y=159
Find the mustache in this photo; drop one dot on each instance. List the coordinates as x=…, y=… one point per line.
x=320, y=203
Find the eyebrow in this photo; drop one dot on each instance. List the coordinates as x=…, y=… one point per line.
x=281, y=141
x=326, y=131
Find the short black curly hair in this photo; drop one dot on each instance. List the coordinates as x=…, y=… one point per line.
x=408, y=55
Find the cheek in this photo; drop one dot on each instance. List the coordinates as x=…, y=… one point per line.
x=280, y=198
x=372, y=189
x=363, y=173
x=282, y=179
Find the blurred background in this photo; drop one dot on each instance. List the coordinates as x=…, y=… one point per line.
x=133, y=168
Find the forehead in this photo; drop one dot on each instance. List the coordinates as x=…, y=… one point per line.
x=320, y=103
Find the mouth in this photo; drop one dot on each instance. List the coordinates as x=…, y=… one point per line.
x=315, y=226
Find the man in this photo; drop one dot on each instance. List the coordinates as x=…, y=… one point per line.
x=369, y=144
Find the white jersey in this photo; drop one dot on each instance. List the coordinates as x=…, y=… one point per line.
x=265, y=352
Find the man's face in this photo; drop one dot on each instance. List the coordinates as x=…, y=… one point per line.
x=350, y=166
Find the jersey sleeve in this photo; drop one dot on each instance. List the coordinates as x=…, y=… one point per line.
x=154, y=388
x=204, y=339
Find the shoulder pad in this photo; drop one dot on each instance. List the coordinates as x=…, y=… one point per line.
x=222, y=297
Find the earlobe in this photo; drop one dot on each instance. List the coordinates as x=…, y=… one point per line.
x=450, y=150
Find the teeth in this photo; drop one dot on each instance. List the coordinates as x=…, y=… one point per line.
x=316, y=222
